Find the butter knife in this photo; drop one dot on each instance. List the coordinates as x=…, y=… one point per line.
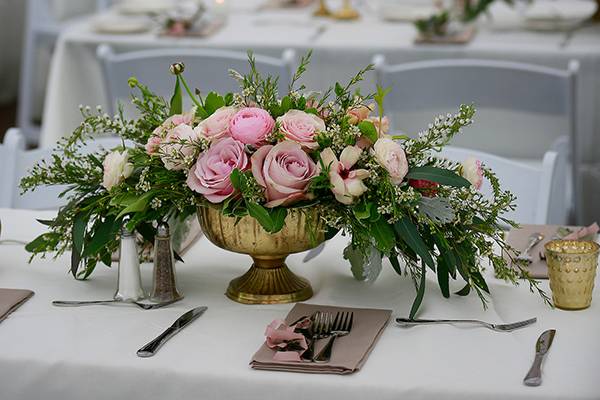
x=534, y=376
x=151, y=348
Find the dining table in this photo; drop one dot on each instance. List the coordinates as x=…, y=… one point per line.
x=90, y=352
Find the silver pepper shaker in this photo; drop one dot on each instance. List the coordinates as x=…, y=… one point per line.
x=129, y=285
x=164, y=286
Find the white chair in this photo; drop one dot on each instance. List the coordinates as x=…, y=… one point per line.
x=42, y=28
x=523, y=110
x=539, y=190
x=206, y=69
x=16, y=162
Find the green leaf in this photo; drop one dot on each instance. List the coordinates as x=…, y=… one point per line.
x=278, y=217
x=89, y=268
x=446, y=254
x=39, y=243
x=75, y=261
x=236, y=179
x=395, y=263
x=330, y=233
x=410, y=235
x=383, y=233
x=480, y=281
x=439, y=175
x=102, y=235
x=213, y=102
x=176, y=99
x=139, y=205
x=443, y=277
x=286, y=104
x=261, y=215
x=368, y=130
x=464, y=291
x=228, y=99
x=78, y=233
x=420, y=293
x=46, y=222
x=363, y=210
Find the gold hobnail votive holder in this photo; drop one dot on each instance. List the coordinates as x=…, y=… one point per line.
x=572, y=266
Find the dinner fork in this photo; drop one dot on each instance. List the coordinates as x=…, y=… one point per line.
x=534, y=239
x=495, y=327
x=319, y=329
x=145, y=306
x=341, y=326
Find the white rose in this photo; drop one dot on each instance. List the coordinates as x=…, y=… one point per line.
x=116, y=168
x=177, y=146
x=472, y=171
x=390, y=155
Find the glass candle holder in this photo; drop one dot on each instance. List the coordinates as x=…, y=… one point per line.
x=572, y=269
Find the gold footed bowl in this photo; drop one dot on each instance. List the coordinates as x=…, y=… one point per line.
x=269, y=280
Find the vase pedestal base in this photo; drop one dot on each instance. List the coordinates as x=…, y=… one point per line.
x=269, y=281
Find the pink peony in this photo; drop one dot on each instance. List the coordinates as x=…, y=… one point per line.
x=177, y=146
x=216, y=126
x=285, y=170
x=390, y=155
x=301, y=127
x=471, y=170
x=210, y=175
x=251, y=125
x=346, y=184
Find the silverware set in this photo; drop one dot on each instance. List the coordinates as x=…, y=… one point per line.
x=324, y=325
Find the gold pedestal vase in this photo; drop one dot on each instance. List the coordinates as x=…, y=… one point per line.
x=269, y=280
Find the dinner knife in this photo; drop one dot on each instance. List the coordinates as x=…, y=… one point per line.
x=151, y=348
x=534, y=376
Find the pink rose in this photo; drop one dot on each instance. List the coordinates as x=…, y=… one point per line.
x=153, y=144
x=251, y=125
x=210, y=175
x=301, y=127
x=285, y=170
x=346, y=184
x=390, y=155
x=177, y=147
x=173, y=121
x=359, y=113
x=216, y=126
x=471, y=170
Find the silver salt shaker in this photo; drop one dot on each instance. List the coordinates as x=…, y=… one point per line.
x=164, y=283
x=129, y=286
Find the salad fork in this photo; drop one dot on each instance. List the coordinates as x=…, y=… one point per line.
x=495, y=327
x=319, y=329
x=144, y=306
x=341, y=326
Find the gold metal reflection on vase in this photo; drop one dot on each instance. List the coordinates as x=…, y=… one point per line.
x=269, y=280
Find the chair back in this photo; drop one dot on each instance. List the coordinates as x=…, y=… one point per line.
x=16, y=163
x=522, y=108
x=206, y=69
x=536, y=187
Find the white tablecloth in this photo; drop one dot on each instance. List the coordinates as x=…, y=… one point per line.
x=339, y=50
x=89, y=352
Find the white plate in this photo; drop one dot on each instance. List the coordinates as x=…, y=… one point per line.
x=144, y=7
x=405, y=12
x=558, y=14
x=119, y=25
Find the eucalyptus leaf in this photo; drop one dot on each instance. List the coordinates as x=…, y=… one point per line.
x=464, y=291
x=410, y=235
x=443, y=277
x=102, y=235
x=364, y=267
x=395, y=263
x=438, y=209
x=439, y=175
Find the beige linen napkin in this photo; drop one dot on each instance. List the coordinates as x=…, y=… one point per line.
x=11, y=299
x=519, y=238
x=349, y=352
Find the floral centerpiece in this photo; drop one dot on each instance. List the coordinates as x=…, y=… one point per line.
x=256, y=156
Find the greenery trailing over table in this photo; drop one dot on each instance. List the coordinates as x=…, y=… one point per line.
x=256, y=153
